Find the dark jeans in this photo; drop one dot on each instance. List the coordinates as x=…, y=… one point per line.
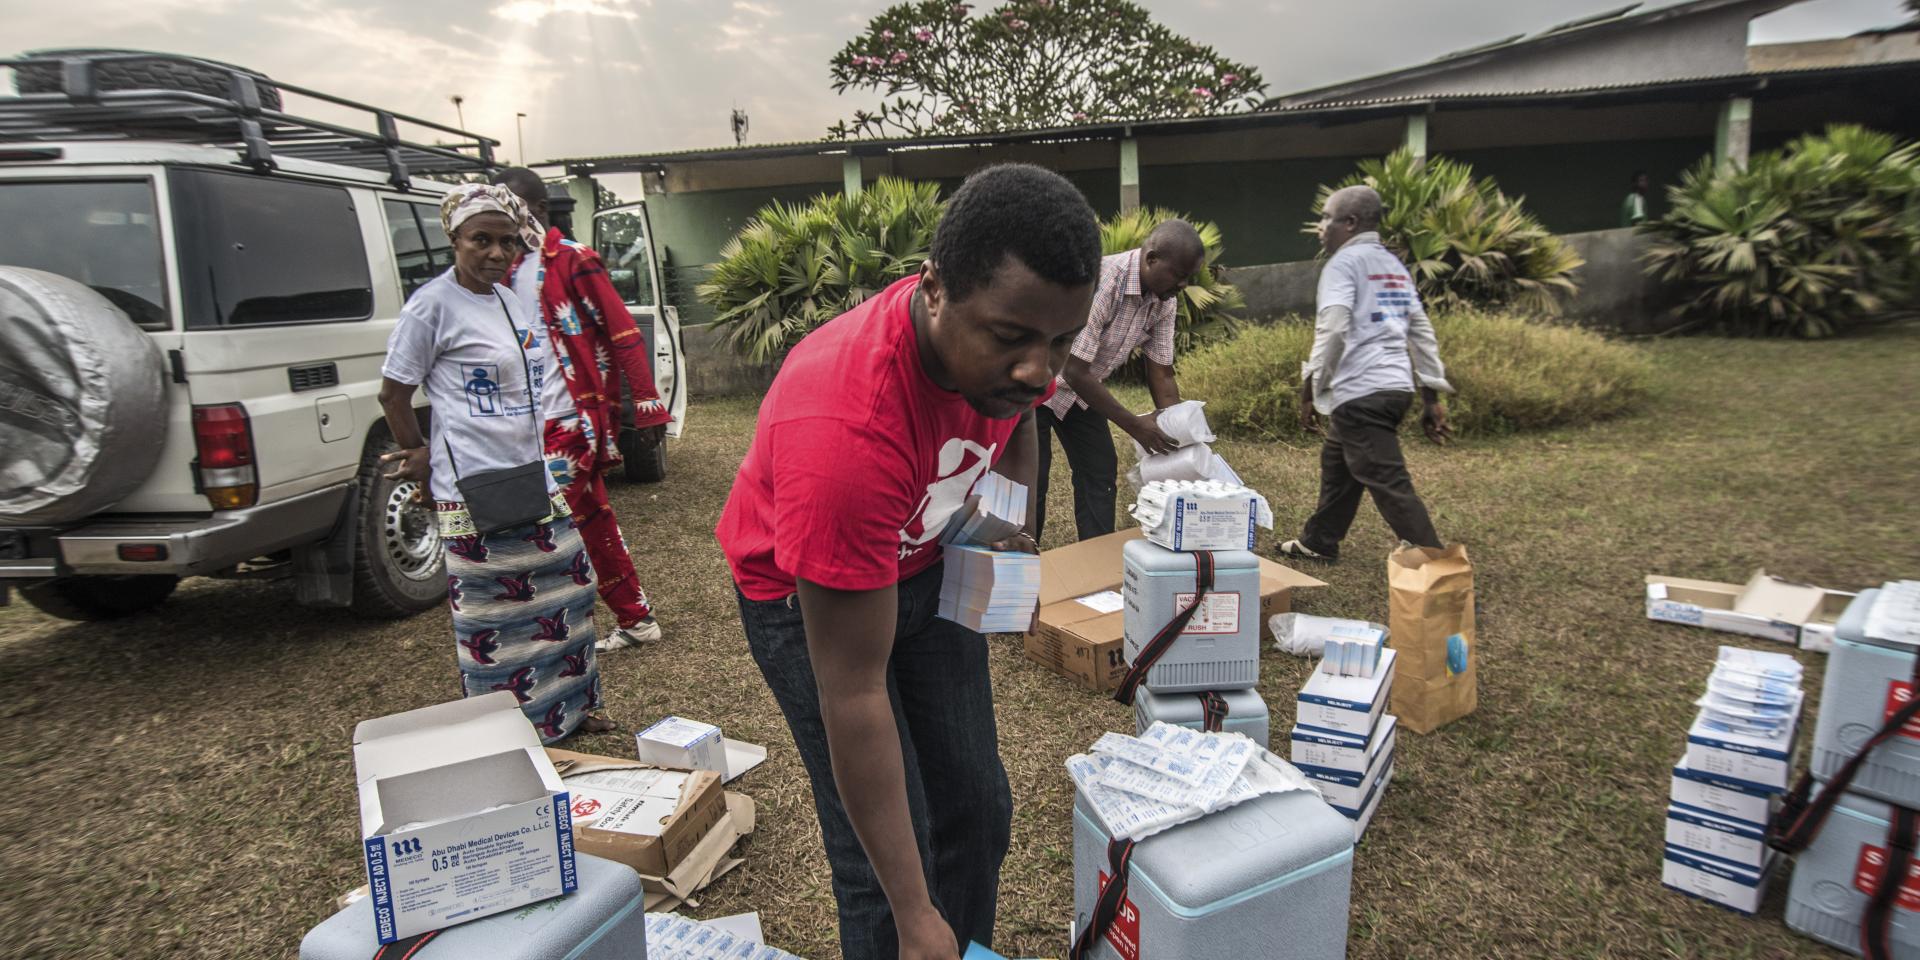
x=1096, y=468
x=1362, y=455
x=957, y=790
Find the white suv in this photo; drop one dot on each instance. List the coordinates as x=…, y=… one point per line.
x=196, y=292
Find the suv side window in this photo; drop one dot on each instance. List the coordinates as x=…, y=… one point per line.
x=420, y=248
x=256, y=250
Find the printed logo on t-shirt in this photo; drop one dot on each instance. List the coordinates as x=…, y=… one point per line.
x=483, y=390
x=960, y=464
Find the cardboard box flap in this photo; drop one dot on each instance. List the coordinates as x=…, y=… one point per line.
x=441, y=734
x=1775, y=599
x=571, y=764
x=1274, y=576
x=1089, y=566
x=1711, y=594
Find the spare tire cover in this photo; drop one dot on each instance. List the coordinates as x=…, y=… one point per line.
x=82, y=411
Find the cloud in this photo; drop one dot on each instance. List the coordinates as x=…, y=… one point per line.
x=533, y=11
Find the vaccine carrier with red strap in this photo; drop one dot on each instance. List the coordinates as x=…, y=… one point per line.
x=601, y=920
x=1836, y=877
x=1235, y=711
x=1266, y=878
x=1868, y=678
x=1219, y=648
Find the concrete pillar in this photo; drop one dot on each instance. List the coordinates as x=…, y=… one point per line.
x=850, y=175
x=1733, y=135
x=1129, y=174
x=1416, y=138
x=586, y=201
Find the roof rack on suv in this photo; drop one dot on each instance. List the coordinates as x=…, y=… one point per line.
x=70, y=102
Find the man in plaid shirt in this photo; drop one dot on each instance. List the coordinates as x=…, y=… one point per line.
x=1134, y=307
x=597, y=346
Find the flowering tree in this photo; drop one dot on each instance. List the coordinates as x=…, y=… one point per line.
x=1030, y=63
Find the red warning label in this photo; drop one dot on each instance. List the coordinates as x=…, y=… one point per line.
x=1124, y=935
x=1898, y=693
x=1873, y=865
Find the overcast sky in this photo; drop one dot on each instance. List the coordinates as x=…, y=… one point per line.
x=624, y=76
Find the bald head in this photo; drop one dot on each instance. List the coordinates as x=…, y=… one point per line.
x=1350, y=211
x=1170, y=258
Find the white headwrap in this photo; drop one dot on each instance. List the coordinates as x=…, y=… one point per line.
x=470, y=199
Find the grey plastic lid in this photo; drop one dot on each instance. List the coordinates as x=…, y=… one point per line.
x=1156, y=559
x=1228, y=853
x=1853, y=623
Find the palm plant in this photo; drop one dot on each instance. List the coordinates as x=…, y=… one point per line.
x=796, y=266
x=1466, y=243
x=1206, y=303
x=1806, y=241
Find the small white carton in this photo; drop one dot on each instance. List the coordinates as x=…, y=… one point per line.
x=1735, y=888
x=683, y=744
x=1705, y=793
x=1743, y=760
x=1328, y=755
x=1337, y=704
x=1202, y=515
x=1348, y=792
x=461, y=815
x=1737, y=844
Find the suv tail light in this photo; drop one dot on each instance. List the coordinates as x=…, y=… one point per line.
x=224, y=438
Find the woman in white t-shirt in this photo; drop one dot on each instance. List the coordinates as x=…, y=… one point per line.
x=522, y=597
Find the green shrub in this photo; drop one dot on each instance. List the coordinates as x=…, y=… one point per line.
x=797, y=266
x=1207, y=304
x=1468, y=244
x=1512, y=374
x=1807, y=241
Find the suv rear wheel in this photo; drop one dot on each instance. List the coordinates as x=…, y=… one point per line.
x=645, y=455
x=399, y=568
x=99, y=598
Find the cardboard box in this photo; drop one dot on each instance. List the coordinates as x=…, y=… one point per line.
x=1336, y=756
x=1079, y=630
x=1379, y=793
x=677, y=743
x=1759, y=764
x=1349, y=793
x=1729, y=886
x=462, y=815
x=648, y=823
x=1342, y=704
x=1766, y=607
x=1702, y=834
x=1706, y=793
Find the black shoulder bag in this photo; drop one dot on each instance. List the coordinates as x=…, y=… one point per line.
x=514, y=496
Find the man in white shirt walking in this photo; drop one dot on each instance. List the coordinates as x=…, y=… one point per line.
x=1372, y=346
x=1134, y=308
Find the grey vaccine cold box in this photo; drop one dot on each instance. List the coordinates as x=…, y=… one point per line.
x=1867, y=678
x=1831, y=880
x=1220, y=649
x=1266, y=878
x=1246, y=712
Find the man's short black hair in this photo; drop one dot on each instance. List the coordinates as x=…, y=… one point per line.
x=521, y=180
x=1016, y=209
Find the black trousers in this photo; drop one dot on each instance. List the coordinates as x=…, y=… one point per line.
x=1362, y=455
x=1096, y=468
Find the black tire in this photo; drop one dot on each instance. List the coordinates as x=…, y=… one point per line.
x=646, y=461
x=195, y=75
x=88, y=599
x=399, y=568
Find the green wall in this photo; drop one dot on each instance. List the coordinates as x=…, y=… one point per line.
x=1577, y=187
x=1260, y=205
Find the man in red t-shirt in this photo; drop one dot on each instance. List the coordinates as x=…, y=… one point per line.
x=875, y=429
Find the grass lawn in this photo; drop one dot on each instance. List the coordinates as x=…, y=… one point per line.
x=180, y=784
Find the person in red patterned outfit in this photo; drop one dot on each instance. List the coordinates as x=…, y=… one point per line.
x=599, y=348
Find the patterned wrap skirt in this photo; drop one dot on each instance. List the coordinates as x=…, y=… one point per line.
x=522, y=602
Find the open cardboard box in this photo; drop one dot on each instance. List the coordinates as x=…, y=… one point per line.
x=461, y=815
x=1078, y=632
x=696, y=834
x=1766, y=607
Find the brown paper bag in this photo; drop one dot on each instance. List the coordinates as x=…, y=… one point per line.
x=1431, y=623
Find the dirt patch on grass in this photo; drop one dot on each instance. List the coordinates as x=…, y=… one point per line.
x=179, y=784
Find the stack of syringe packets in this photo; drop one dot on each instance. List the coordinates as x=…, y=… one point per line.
x=671, y=936
x=1739, y=759
x=1343, y=737
x=985, y=590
